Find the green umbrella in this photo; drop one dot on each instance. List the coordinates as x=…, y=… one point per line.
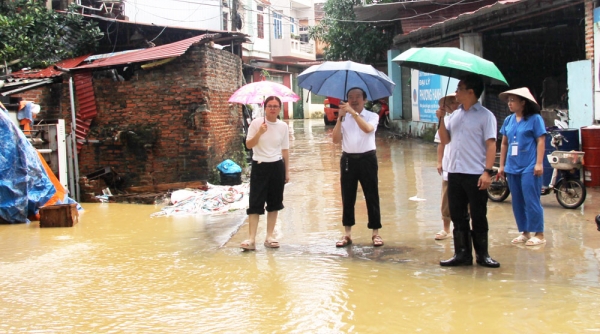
x=451, y=62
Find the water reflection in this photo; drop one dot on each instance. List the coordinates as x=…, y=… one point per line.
x=120, y=271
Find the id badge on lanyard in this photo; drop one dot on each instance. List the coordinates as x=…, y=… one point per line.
x=514, y=148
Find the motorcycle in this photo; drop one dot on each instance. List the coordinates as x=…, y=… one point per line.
x=381, y=108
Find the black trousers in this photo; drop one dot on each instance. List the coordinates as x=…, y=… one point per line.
x=361, y=168
x=463, y=194
x=267, y=182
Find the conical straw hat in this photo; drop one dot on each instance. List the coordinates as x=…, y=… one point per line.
x=522, y=92
x=450, y=96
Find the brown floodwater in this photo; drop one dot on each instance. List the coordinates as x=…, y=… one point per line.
x=119, y=270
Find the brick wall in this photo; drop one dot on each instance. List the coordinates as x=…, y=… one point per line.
x=167, y=124
x=48, y=97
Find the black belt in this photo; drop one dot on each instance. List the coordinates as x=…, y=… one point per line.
x=359, y=155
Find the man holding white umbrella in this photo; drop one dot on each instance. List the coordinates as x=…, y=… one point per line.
x=355, y=129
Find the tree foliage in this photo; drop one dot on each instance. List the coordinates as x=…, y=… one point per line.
x=33, y=36
x=350, y=40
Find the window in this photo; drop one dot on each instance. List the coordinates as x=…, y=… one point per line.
x=224, y=21
x=277, y=29
x=276, y=78
x=260, y=26
x=292, y=25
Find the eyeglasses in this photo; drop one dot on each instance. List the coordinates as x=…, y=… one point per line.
x=272, y=107
x=512, y=99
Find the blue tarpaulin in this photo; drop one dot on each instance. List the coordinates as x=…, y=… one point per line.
x=24, y=184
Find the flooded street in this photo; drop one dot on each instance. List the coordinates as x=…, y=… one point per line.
x=119, y=270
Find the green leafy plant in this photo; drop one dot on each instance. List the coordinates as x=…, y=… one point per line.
x=33, y=36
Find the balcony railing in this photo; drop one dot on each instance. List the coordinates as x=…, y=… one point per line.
x=303, y=46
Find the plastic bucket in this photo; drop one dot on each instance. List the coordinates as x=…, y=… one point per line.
x=570, y=143
x=590, y=144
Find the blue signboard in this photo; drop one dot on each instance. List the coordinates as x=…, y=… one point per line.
x=430, y=92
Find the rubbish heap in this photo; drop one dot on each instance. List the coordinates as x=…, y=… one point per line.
x=215, y=200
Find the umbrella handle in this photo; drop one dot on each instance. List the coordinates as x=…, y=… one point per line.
x=447, y=86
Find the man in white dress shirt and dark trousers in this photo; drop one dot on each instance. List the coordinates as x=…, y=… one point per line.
x=355, y=129
x=472, y=131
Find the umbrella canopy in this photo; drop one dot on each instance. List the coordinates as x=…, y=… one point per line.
x=257, y=92
x=334, y=78
x=451, y=62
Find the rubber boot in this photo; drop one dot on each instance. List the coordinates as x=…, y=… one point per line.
x=462, y=250
x=480, y=243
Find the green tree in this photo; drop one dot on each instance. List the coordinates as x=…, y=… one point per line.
x=33, y=36
x=350, y=40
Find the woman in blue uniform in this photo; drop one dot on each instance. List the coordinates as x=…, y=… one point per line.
x=521, y=159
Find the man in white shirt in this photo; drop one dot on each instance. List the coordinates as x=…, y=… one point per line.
x=355, y=129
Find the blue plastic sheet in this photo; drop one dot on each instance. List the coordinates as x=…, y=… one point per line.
x=229, y=167
x=24, y=184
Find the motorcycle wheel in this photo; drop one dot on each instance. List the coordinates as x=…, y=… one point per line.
x=327, y=122
x=498, y=191
x=386, y=121
x=570, y=193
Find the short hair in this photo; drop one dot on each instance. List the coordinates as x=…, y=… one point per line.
x=353, y=88
x=474, y=82
x=271, y=98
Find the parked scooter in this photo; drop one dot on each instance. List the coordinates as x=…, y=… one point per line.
x=383, y=110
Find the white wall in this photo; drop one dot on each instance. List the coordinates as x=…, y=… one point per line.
x=260, y=47
x=199, y=14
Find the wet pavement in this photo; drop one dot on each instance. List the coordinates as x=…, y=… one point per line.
x=119, y=270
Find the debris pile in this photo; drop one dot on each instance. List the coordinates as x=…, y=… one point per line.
x=215, y=200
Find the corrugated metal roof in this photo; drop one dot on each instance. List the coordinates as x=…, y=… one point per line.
x=86, y=99
x=50, y=72
x=86, y=103
x=469, y=15
x=416, y=14
x=160, y=52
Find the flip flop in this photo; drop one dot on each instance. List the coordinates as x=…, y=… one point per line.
x=271, y=243
x=345, y=241
x=441, y=235
x=520, y=239
x=535, y=241
x=248, y=245
x=377, y=241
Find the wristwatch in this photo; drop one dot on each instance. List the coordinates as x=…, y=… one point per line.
x=489, y=171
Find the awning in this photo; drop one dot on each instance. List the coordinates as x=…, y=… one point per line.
x=271, y=70
x=19, y=85
x=415, y=14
